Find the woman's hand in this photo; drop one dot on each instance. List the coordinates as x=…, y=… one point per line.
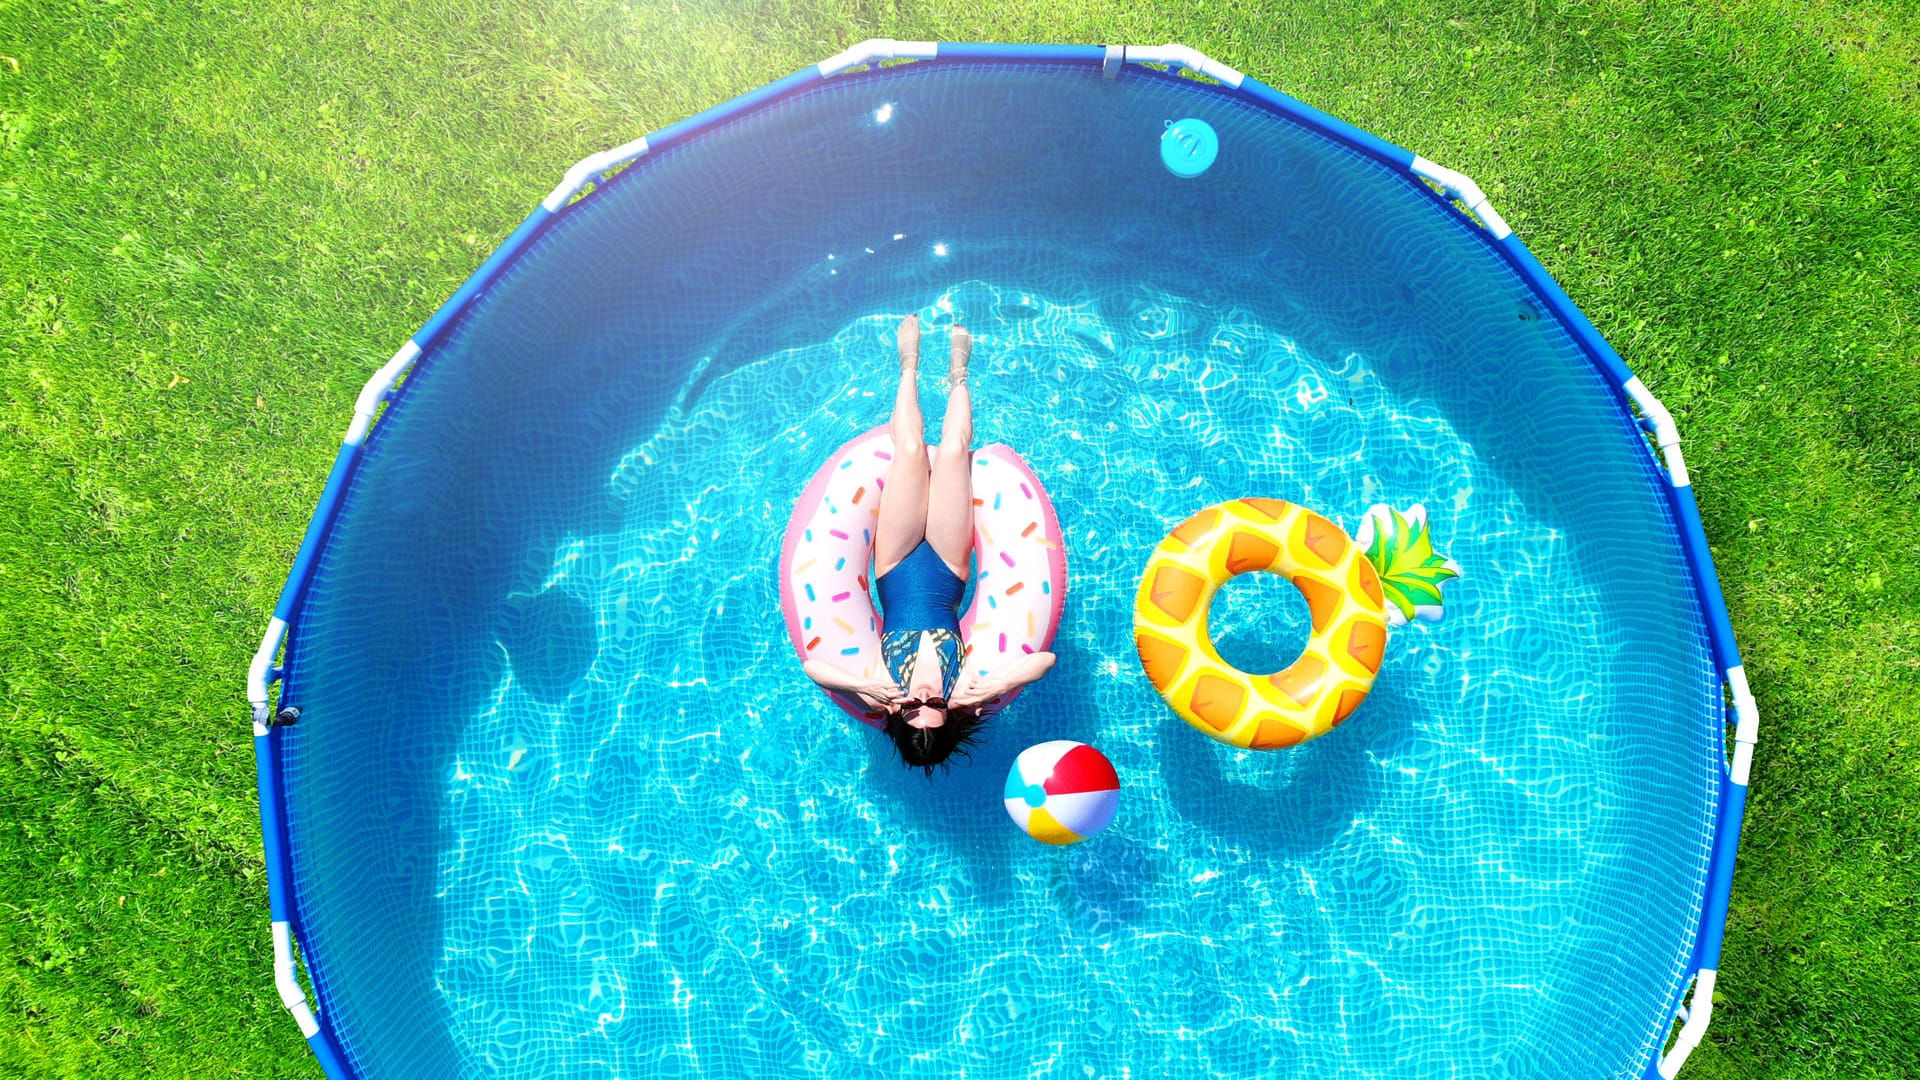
x=975, y=690
x=880, y=694
x=877, y=693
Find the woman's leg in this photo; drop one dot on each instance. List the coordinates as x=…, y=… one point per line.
x=949, y=525
x=903, y=502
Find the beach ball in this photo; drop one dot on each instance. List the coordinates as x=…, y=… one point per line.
x=1062, y=792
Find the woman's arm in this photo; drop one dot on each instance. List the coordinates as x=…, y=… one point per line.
x=879, y=693
x=977, y=690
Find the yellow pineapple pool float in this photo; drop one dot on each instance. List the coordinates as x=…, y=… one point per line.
x=1354, y=589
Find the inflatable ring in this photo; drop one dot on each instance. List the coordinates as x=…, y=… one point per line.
x=1315, y=693
x=1019, y=586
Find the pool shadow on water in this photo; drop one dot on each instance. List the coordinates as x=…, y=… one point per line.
x=1289, y=803
x=956, y=811
x=549, y=636
x=1105, y=883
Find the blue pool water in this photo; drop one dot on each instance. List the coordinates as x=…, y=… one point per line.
x=562, y=804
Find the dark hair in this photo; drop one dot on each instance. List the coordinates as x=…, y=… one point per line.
x=926, y=747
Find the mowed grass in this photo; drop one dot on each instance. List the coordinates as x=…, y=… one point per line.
x=216, y=219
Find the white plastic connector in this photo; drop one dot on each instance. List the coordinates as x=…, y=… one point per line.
x=589, y=167
x=1666, y=434
x=874, y=50
x=287, y=981
x=1746, y=728
x=1115, y=59
x=1187, y=57
x=1695, y=1027
x=1461, y=186
x=375, y=392
x=259, y=674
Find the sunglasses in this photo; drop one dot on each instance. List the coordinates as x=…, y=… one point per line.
x=914, y=703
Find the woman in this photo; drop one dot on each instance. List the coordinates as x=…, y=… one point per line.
x=922, y=556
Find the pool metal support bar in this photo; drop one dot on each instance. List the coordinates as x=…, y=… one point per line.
x=1446, y=186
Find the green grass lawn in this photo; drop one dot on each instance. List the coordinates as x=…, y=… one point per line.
x=217, y=219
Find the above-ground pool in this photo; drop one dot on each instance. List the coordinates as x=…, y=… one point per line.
x=560, y=803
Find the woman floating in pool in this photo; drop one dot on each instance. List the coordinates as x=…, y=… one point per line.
x=923, y=540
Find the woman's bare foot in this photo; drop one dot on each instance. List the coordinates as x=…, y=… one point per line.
x=909, y=338
x=962, y=349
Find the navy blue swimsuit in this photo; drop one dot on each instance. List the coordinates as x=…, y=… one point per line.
x=921, y=595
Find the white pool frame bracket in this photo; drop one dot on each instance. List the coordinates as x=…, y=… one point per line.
x=588, y=169
x=1181, y=56
x=286, y=978
x=262, y=674
x=873, y=50
x=1746, y=731
x=1694, y=1026
x=376, y=392
x=1666, y=434
x=1459, y=185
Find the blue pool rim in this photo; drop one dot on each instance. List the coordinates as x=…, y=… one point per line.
x=1451, y=192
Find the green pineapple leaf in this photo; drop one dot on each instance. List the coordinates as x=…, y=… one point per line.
x=1411, y=572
